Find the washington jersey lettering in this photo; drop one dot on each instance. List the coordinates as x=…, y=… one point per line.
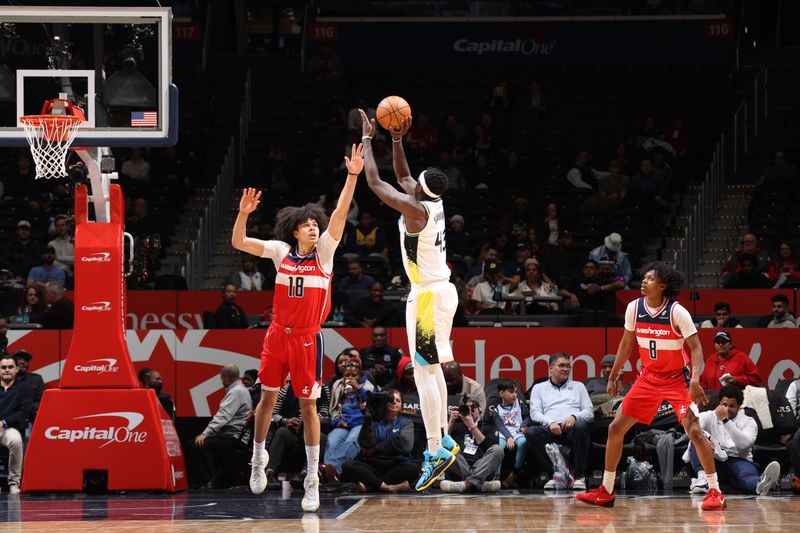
x=302, y=285
x=424, y=253
x=660, y=334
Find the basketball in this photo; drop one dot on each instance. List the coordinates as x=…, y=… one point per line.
x=391, y=111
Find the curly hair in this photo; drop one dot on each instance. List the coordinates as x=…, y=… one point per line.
x=667, y=274
x=733, y=392
x=289, y=218
x=436, y=180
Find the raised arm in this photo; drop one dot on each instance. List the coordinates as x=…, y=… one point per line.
x=399, y=161
x=239, y=239
x=414, y=213
x=354, y=164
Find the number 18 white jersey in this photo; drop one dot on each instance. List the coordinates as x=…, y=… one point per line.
x=424, y=253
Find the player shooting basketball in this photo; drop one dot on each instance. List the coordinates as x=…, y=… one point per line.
x=304, y=262
x=433, y=299
x=659, y=327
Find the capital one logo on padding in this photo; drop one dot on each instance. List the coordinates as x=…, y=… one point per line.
x=98, y=257
x=106, y=365
x=104, y=433
x=97, y=306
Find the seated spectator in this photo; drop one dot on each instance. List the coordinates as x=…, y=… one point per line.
x=229, y=315
x=516, y=268
x=537, y=284
x=582, y=175
x=598, y=386
x=494, y=284
x=15, y=411
x=251, y=382
x=722, y=317
x=356, y=279
x=678, y=137
x=747, y=277
x=459, y=384
x=512, y=421
x=517, y=220
x=63, y=243
x=735, y=434
x=649, y=133
x=535, y=100
x=551, y=224
x=370, y=239
x=143, y=376
x=612, y=190
x=475, y=274
x=749, y=247
x=135, y=167
x=561, y=411
x=380, y=359
x=786, y=266
x=586, y=291
x=562, y=263
x=405, y=377
x=34, y=305
x=23, y=253
x=608, y=280
x=386, y=441
x=781, y=318
x=728, y=366
x=156, y=382
x=32, y=379
x=373, y=310
x=480, y=458
x=611, y=250
x=47, y=271
x=459, y=241
x=513, y=172
x=342, y=360
x=288, y=441
x=139, y=222
x=501, y=100
x=455, y=178
x=648, y=187
x=248, y=278
x=348, y=397
x=780, y=171
x=662, y=166
x=423, y=134
x=211, y=447
x=60, y=311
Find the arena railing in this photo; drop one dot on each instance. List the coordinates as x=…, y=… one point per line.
x=739, y=130
x=762, y=75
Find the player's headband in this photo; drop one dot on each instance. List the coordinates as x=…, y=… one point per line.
x=425, y=186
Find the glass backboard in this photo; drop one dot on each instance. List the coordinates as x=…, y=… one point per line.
x=114, y=62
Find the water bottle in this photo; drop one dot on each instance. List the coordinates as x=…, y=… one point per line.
x=338, y=314
x=498, y=292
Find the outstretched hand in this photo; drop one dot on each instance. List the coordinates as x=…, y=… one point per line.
x=355, y=163
x=367, y=125
x=697, y=394
x=250, y=200
x=405, y=125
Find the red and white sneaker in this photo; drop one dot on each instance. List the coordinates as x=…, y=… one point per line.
x=714, y=501
x=597, y=496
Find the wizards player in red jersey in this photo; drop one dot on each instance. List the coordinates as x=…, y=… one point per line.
x=293, y=344
x=659, y=327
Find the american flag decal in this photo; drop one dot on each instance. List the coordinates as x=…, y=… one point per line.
x=144, y=119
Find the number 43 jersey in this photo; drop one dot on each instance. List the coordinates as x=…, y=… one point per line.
x=302, y=286
x=660, y=333
x=424, y=253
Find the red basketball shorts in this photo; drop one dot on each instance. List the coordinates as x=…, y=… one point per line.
x=294, y=351
x=650, y=390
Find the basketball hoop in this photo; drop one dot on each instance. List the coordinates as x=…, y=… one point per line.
x=50, y=136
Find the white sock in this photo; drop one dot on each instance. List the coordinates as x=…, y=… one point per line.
x=434, y=443
x=430, y=403
x=259, y=451
x=713, y=483
x=312, y=458
x=608, y=481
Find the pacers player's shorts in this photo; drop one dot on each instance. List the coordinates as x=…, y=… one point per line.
x=652, y=388
x=292, y=350
x=429, y=319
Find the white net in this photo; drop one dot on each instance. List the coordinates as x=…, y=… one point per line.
x=50, y=136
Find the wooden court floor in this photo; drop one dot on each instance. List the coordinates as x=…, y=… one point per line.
x=237, y=511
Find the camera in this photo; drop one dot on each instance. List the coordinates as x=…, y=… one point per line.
x=463, y=408
x=376, y=403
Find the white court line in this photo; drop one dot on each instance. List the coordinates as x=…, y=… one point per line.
x=352, y=509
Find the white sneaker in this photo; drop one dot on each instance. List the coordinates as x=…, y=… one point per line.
x=258, y=475
x=14, y=489
x=699, y=485
x=452, y=486
x=579, y=484
x=768, y=479
x=550, y=485
x=491, y=486
x=310, y=501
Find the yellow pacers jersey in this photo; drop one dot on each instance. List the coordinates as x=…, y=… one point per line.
x=424, y=252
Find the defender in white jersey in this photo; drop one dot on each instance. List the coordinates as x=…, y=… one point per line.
x=433, y=299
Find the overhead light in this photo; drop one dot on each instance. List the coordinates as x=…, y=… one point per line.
x=129, y=89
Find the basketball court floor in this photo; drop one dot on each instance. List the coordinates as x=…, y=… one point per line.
x=235, y=510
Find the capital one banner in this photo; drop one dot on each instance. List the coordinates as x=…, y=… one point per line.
x=190, y=360
x=527, y=42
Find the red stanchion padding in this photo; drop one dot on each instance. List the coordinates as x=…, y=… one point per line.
x=98, y=355
x=124, y=432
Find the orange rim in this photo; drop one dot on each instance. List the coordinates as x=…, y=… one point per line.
x=54, y=127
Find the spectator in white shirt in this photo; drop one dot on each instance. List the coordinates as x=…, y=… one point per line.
x=249, y=278
x=483, y=295
x=135, y=166
x=63, y=243
x=582, y=175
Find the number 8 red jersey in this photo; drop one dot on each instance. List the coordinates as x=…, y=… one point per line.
x=660, y=333
x=302, y=285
